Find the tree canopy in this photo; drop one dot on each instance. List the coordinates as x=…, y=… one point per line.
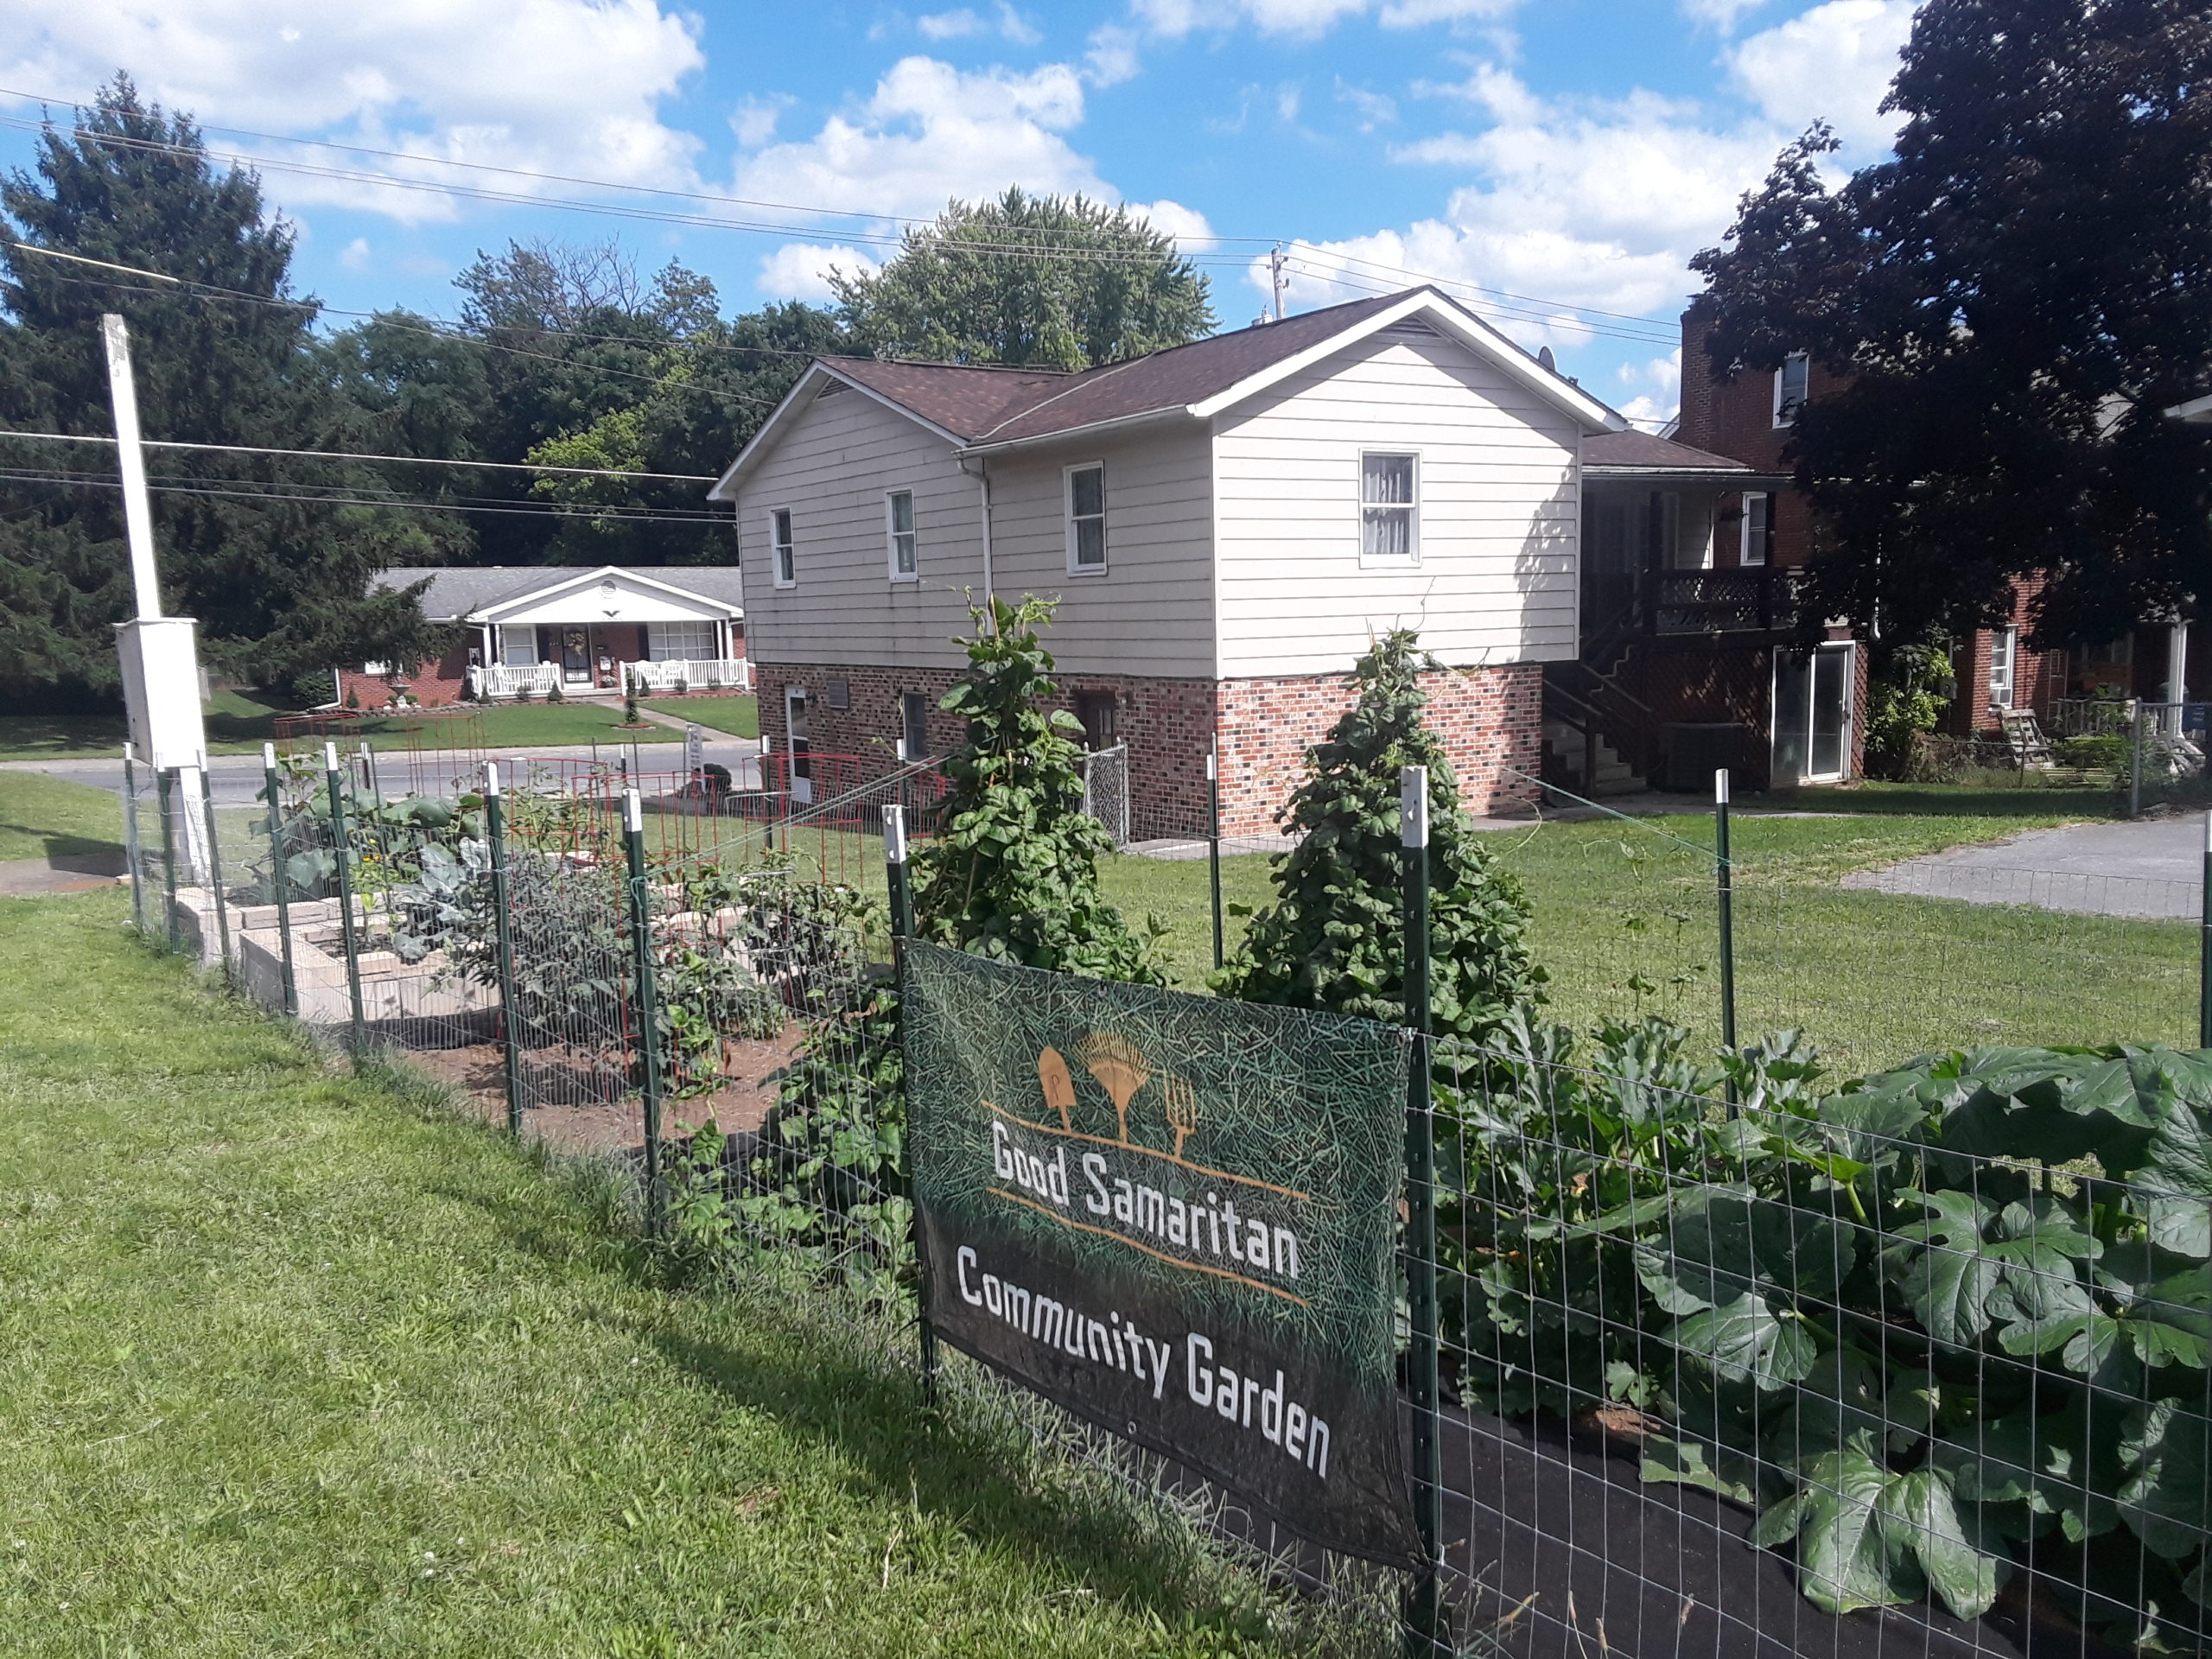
x=2014, y=299
x=1056, y=282
x=223, y=355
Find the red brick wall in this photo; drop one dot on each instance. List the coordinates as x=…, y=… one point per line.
x=1489, y=718
x=430, y=684
x=1734, y=416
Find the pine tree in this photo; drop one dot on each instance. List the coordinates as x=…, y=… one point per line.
x=1013, y=871
x=1334, y=936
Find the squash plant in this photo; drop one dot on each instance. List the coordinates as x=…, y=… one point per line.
x=1945, y=1323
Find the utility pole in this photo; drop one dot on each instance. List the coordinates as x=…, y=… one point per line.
x=159, y=656
x=1277, y=279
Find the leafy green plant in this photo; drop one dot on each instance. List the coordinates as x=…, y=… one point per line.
x=1334, y=936
x=1906, y=697
x=2109, y=751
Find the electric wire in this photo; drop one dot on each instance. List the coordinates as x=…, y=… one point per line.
x=247, y=491
x=354, y=454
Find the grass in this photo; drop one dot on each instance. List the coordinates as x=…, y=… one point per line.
x=2052, y=801
x=292, y=1361
x=739, y=717
x=45, y=817
x=238, y=723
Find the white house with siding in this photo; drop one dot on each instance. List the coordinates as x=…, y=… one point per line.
x=1226, y=524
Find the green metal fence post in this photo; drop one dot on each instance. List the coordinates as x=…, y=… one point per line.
x=2135, y=766
x=1426, y=1632
x=2204, y=948
x=167, y=779
x=132, y=853
x=342, y=851
x=1724, y=872
x=902, y=928
x=495, y=832
x=1213, y=841
x=280, y=878
x=215, y=868
x=641, y=945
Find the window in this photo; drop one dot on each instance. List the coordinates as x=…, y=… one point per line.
x=1389, y=508
x=1757, y=545
x=2003, y=651
x=1100, y=718
x=680, y=642
x=518, y=646
x=1086, y=518
x=1789, y=388
x=914, y=717
x=1667, y=529
x=781, y=552
x=899, y=528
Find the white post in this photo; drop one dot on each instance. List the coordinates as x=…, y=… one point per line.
x=138, y=514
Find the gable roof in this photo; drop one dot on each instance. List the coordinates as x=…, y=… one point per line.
x=457, y=592
x=979, y=411
x=1643, y=452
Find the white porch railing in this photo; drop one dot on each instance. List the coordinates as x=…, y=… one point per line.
x=500, y=680
x=721, y=674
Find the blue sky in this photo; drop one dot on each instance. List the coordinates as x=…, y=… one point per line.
x=1570, y=153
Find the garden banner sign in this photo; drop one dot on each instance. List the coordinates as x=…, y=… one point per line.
x=1174, y=1215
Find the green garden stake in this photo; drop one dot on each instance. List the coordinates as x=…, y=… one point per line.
x=279, y=877
x=495, y=832
x=131, y=852
x=641, y=946
x=167, y=778
x=1213, y=841
x=1724, y=872
x=2204, y=950
x=341, y=846
x=215, y=868
x=902, y=928
x=1427, y=1636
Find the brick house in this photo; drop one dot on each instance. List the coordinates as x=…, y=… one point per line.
x=523, y=630
x=1227, y=524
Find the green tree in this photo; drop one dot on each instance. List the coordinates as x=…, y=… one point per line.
x=1334, y=936
x=278, y=583
x=1012, y=871
x=1057, y=282
x=2014, y=299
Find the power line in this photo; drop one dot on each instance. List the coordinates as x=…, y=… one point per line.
x=200, y=487
x=351, y=455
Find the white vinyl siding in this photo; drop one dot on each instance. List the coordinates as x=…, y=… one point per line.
x=899, y=536
x=1389, y=504
x=680, y=642
x=1497, y=484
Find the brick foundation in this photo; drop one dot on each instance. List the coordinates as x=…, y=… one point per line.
x=431, y=684
x=1490, y=719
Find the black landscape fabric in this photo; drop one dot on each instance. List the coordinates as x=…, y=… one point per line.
x=1175, y=1216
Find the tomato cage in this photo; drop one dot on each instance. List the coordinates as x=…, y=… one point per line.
x=424, y=751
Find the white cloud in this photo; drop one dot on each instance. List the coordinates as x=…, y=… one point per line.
x=1721, y=14
x=1187, y=226
x=1836, y=61
x=1663, y=375
x=754, y=121
x=556, y=86
x=1287, y=101
x=800, y=270
x=1371, y=110
x=1176, y=18
x=355, y=254
x=1111, y=55
x=966, y=22
x=930, y=132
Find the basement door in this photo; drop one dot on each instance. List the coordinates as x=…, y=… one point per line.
x=1812, y=714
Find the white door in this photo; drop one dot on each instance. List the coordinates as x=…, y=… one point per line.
x=1812, y=714
x=795, y=745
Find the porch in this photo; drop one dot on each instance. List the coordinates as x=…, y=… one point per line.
x=588, y=658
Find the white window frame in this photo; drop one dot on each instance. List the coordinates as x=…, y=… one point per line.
x=1067, y=506
x=1785, y=414
x=1751, y=548
x=1411, y=557
x=514, y=639
x=783, y=571
x=892, y=533
x=658, y=641
x=2004, y=650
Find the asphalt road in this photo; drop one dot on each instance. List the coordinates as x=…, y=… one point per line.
x=2154, y=869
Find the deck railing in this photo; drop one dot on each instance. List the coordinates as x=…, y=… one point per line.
x=716, y=674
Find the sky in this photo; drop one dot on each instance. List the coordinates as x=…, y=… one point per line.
x=1556, y=162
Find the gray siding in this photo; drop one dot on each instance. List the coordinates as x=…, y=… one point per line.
x=1499, y=522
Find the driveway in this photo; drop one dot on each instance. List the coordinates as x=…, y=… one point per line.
x=2151, y=869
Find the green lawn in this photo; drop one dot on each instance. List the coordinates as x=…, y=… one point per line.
x=292, y=1361
x=238, y=723
x=45, y=817
x=739, y=717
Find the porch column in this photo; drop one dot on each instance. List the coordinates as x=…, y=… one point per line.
x=2178, y=663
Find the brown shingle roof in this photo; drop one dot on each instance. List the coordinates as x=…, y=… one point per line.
x=983, y=405
x=1634, y=449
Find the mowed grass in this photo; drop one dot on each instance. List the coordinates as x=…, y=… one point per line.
x=739, y=717
x=46, y=817
x=291, y=1362
x=238, y=723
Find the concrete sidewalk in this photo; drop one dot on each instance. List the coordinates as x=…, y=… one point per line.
x=2152, y=869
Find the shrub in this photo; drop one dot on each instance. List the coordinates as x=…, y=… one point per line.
x=2107, y=753
x=555, y=694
